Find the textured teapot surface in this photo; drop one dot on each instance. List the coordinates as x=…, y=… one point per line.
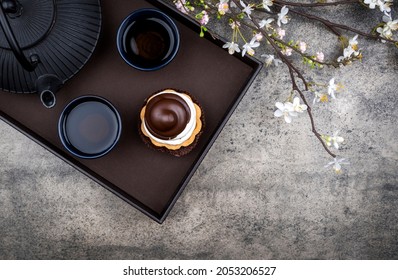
x=57, y=37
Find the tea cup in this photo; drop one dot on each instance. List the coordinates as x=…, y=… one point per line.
x=148, y=39
x=89, y=127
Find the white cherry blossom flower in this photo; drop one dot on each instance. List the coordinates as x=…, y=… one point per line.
x=347, y=52
x=248, y=47
x=392, y=25
x=267, y=4
x=281, y=33
x=385, y=6
x=350, y=52
x=384, y=32
x=282, y=16
x=320, y=56
x=334, y=140
x=302, y=46
x=289, y=110
x=269, y=59
x=258, y=37
x=287, y=51
x=336, y=164
x=297, y=107
x=320, y=97
x=247, y=9
x=234, y=25
x=266, y=23
x=286, y=110
x=223, y=7
x=372, y=3
x=205, y=18
x=353, y=42
x=232, y=47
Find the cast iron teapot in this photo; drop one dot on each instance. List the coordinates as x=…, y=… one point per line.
x=44, y=43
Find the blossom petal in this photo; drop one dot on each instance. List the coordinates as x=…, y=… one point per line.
x=337, y=167
x=255, y=44
x=278, y=113
x=329, y=164
x=226, y=45
x=315, y=100
x=288, y=118
x=280, y=106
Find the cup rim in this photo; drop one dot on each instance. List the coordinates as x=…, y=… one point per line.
x=62, y=121
x=149, y=11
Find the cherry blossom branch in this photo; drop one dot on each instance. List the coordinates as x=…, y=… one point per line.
x=330, y=27
x=251, y=17
x=271, y=41
x=295, y=87
x=303, y=54
x=288, y=63
x=260, y=30
x=333, y=26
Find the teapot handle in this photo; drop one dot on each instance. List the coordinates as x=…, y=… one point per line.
x=11, y=6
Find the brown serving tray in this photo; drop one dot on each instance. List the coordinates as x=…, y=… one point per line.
x=149, y=180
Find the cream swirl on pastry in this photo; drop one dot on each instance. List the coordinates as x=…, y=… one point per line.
x=170, y=117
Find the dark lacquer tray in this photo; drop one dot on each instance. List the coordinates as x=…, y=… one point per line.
x=150, y=181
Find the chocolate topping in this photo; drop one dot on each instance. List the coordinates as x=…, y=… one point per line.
x=167, y=115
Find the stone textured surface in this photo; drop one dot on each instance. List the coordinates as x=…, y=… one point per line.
x=261, y=192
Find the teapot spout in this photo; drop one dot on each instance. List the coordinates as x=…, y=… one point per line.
x=47, y=86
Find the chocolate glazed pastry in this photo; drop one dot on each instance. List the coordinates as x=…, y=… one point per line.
x=171, y=121
x=166, y=116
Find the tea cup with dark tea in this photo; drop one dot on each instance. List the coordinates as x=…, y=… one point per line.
x=148, y=39
x=89, y=127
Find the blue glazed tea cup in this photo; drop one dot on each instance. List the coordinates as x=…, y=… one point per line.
x=89, y=127
x=148, y=39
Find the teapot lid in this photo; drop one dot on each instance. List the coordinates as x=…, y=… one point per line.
x=61, y=33
x=31, y=23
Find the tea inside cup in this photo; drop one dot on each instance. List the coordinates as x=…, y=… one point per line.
x=148, y=39
x=89, y=127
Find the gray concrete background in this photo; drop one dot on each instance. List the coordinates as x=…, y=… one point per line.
x=261, y=192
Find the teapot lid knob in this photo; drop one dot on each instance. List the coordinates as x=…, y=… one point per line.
x=10, y=6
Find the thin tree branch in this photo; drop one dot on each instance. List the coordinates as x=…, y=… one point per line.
x=303, y=54
x=309, y=111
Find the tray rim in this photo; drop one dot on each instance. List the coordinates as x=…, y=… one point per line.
x=254, y=63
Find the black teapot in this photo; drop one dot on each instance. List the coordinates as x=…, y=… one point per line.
x=44, y=43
